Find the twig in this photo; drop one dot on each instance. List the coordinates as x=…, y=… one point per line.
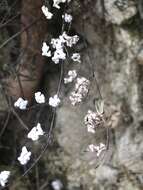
x=19, y=119
x=20, y=32
x=37, y=177
x=91, y=66
x=19, y=83
x=8, y=21
x=5, y=124
x=6, y=15
x=44, y=185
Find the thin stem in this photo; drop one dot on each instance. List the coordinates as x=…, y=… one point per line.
x=91, y=65
x=18, y=33
x=19, y=119
x=8, y=21
x=5, y=124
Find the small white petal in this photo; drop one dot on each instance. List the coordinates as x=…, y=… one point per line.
x=39, y=129
x=67, y=18
x=24, y=156
x=57, y=184
x=72, y=74
x=33, y=135
x=91, y=148
x=54, y=101
x=21, y=103
x=57, y=2
x=46, y=12
x=45, y=50
x=39, y=97
x=97, y=149
x=76, y=57
x=35, y=132
x=58, y=55
x=90, y=129
x=4, y=175
x=70, y=40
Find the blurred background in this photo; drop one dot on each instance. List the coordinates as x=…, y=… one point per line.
x=111, y=48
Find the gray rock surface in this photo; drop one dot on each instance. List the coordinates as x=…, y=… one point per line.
x=119, y=11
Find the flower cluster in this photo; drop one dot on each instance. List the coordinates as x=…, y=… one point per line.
x=93, y=120
x=59, y=44
x=21, y=103
x=4, y=175
x=70, y=40
x=72, y=74
x=80, y=91
x=97, y=149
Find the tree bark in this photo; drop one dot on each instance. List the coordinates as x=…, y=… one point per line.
x=30, y=68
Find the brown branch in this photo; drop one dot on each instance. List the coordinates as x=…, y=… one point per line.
x=19, y=119
x=18, y=33
x=32, y=63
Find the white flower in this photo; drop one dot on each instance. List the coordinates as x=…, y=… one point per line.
x=46, y=12
x=58, y=55
x=72, y=74
x=76, y=57
x=4, y=175
x=45, y=50
x=93, y=120
x=35, y=132
x=70, y=40
x=39, y=97
x=21, y=103
x=58, y=43
x=92, y=148
x=102, y=147
x=80, y=91
x=57, y=185
x=90, y=129
x=67, y=18
x=24, y=156
x=97, y=149
x=57, y=2
x=64, y=39
x=54, y=101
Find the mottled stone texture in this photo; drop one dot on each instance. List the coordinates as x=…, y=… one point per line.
x=112, y=31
